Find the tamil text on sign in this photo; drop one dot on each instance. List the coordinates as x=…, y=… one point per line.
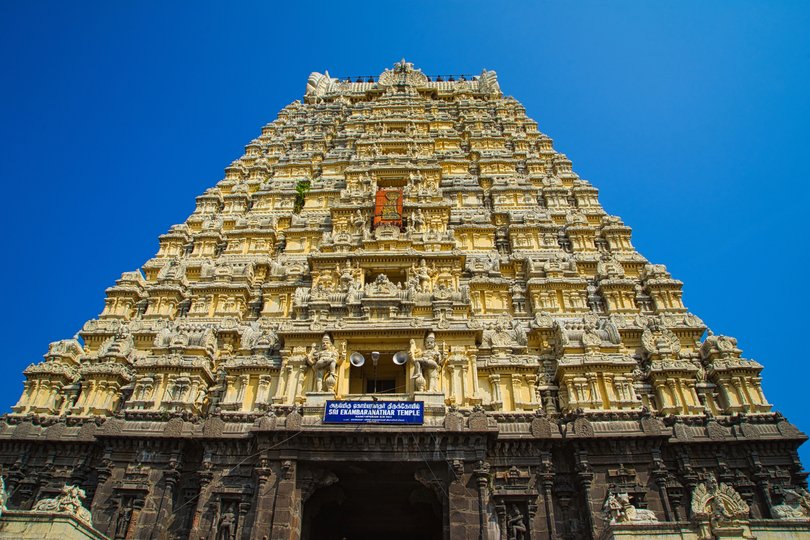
x=374, y=412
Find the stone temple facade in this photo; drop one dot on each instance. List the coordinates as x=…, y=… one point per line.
x=403, y=239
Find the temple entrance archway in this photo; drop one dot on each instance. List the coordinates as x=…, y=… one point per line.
x=372, y=501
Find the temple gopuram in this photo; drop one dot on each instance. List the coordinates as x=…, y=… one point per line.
x=400, y=314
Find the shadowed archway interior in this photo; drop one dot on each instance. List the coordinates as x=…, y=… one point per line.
x=372, y=501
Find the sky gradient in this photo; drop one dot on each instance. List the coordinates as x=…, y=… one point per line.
x=692, y=118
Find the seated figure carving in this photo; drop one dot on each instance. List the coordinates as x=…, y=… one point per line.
x=620, y=510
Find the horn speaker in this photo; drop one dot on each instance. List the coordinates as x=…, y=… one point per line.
x=357, y=359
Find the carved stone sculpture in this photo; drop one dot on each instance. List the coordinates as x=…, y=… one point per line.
x=504, y=333
x=660, y=341
x=515, y=524
x=424, y=276
x=323, y=361
x=68, y=502
x=427, y=363
x=3, y=496
x=226, y=528
x=719, y=503
x=619, y=509
x=124, y=518
x=796, y=505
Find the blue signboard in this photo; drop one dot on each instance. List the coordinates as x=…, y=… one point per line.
x=374, y=412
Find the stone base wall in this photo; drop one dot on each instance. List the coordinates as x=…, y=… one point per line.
x=758, y=529
x=781, y=530
x=482, y=472
x=17, y=525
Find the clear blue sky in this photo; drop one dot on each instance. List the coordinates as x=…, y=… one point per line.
x=691, y=117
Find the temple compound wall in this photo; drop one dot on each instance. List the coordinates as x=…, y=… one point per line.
x=391, y=240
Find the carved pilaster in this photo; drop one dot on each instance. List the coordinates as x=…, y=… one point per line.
x=265, y=489
x=545, y=477
x=286, y=515
x=205, y=476
x=763, y=484
x=661, y=476
x=481, y=474
x=584, y=475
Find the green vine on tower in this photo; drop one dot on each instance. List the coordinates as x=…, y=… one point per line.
x=301, y=190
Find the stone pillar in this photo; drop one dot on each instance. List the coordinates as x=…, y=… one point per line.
x=531, y=507
x=205, y=476
x=428, y=478
x=146, y=525
x=244, y=508
x=262, y=392
x=481, y=475
x=99, y=505
x=286, y=514
x=103, y=474
x=585, y=479
x=266, y=487
x=463, y=508
x=661, y=476
x=137, y=507
x=165, y=508
x=476, y=388
x=495, y=384
x=546, y=480
x=690, y=480
x=762, y=480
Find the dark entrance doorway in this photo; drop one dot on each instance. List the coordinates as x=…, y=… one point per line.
x=372, y=501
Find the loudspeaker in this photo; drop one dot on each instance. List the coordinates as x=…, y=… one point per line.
x=357, y=359
x=400, y=358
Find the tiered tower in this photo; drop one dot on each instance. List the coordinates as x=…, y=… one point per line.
x=403, y=239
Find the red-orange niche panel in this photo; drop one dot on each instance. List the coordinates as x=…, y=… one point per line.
x=388, y=209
